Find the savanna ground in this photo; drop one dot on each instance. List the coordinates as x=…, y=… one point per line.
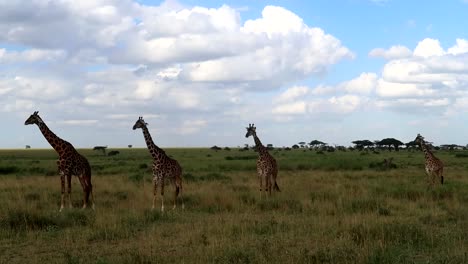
x=336, y=207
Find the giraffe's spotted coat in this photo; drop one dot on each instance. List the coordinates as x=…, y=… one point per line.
x=164, y=167
x=70, y=162
x=433, y=166
x=267, y=168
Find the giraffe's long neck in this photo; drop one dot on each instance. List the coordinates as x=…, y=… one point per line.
x=260, y=148
x=427, y=152
x=53, y=139
x=155, y=151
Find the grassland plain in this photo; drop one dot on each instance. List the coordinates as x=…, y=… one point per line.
x=336, y=207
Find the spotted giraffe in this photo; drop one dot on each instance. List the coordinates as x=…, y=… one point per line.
x=163, y=167
x=267, y=168
x=70, y=162
x=434, y=166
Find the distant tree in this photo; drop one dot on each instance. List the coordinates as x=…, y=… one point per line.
x=302, y=144
x=295, y=146
x=390, y=142
x=270, y=147
x=411, y=145
x=451, y=146
x=113, y=153
x=101, y=148
x=28, y=147
x=316, y=143
x=130, y=146
x=341, y=148
x=362, y=144
x=216, y=148
x=227, y=148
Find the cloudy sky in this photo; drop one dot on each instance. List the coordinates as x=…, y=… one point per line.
x=200, y=71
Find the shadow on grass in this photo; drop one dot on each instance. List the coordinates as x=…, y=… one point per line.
x=22, y=220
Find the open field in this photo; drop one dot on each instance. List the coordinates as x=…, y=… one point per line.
x=334, y=208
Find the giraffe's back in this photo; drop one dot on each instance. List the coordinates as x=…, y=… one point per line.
x=266, y=165
x=167, y=168
x=75, y=164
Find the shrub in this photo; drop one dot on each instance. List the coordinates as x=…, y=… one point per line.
x=8, y=170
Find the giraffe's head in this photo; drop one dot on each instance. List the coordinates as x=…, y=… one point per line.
x=140, y=123
x=33, y=119
x=419, y=139
x=250, y=130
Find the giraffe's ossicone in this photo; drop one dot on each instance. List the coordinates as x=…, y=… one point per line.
x=70, y=162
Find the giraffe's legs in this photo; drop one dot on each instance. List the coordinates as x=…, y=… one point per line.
x=268, y=184
x=178, y=192
x=180, y=195
x=69, y=191
x=62, y=181
x=162, y=195
x=155, y=188
x=261, y=185
x=85, y=191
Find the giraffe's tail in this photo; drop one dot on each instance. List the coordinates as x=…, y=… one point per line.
x=276, y=187
x=441, y=179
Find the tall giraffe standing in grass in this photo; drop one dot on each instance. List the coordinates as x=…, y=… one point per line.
x=267, y=168
x=434, y=166
x=163, y=167
x=70, y=162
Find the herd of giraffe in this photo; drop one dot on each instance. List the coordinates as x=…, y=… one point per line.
x=71, y=163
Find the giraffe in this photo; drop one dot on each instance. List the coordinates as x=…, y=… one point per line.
x=163, y=167
x=70, y=162
x=434, y=166
x=267, y=169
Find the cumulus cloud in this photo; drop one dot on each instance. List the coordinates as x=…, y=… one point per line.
x=430, y=77
x=364, y=84
x=191, y=126
x=299, y=107
x=394, y=52
x=427, y=48
x=292, y=93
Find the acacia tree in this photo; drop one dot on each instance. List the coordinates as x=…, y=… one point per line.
x=363, y=144
x=411, y=145
x=389, y=142
x=315, y=143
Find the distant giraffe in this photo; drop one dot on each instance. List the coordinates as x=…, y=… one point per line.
x=70, y=162
x=434, y=166
x=163, y=167
x=267, y=169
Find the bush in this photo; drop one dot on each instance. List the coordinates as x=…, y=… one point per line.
x=8, y=170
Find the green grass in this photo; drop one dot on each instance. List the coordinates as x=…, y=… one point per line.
x=333, y=208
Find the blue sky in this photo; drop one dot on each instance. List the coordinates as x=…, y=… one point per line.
x=200, y=71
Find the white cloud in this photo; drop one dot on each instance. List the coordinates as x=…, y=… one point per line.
x=191, y=126
x=293, y=93
x=459, y=48
x=364, y=84
x=392, y=89
x=79, y=122
x=290, y=108
x=394, y=52
x=428, y=47
x=31, y=55
x=346, y=103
